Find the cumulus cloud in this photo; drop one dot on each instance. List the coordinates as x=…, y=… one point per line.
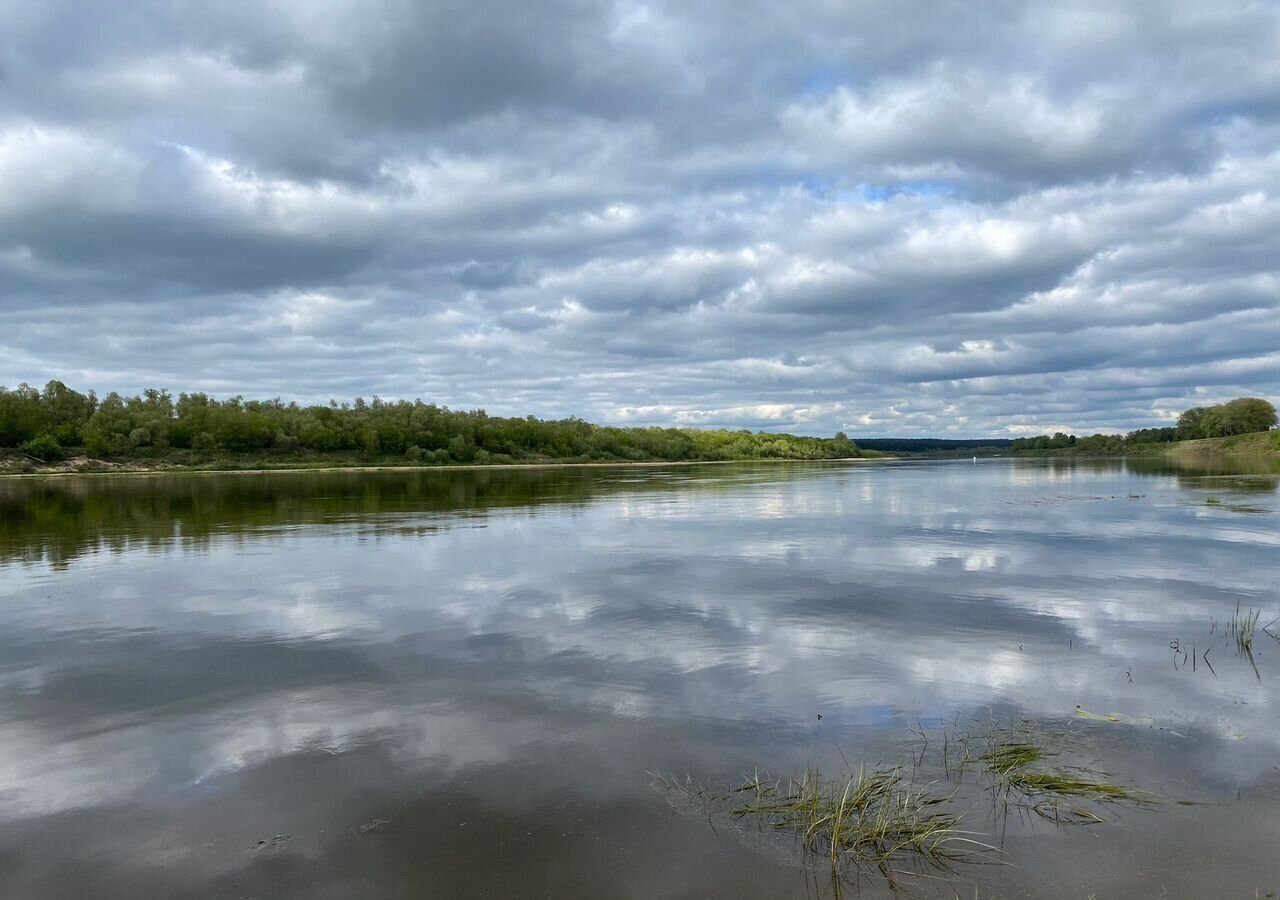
x=875, y=217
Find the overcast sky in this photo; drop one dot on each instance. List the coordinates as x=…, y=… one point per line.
x=892, y=218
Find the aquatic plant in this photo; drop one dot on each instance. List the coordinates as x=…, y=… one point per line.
x=1241, y=630
x=1196, y=656
x=1013, y=756
x=1017, y=761
x=871, y=818
x=882, y=820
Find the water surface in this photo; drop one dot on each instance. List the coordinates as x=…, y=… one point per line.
x=454, y=684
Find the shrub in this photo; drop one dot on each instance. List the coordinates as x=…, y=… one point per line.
x=96, y=443
x=44, y=446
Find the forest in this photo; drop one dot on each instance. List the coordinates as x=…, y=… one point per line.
x=58, y=421
x=52, y=423
x=1243, y=415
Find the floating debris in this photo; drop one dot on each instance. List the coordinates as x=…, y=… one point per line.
x=1083, y=713
x=274, y=843
x=370, y=826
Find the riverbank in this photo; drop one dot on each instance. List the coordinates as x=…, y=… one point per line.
x=16, y=465
x=1119, y=451
x=1260, y=446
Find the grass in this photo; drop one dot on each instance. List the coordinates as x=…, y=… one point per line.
x=1258, y=453
x=1242, y=627
x=1019, y=764
x=1013, y=756
x=880, y=820
x=869, y=819
x=1239, y=630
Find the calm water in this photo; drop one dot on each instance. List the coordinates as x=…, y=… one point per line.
x=454, y=684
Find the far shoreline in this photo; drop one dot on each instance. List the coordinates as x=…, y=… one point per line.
x=132, y=469
x=1263, y=446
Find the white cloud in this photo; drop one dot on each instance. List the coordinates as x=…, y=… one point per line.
x=1042, y=215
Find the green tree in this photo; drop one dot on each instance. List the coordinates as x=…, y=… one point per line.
x=1243, y=415
x=65, y=412
x=20, y=415
x=1191, y=423
x=1246, y=415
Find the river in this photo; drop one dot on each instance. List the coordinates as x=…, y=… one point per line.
x=473, y=683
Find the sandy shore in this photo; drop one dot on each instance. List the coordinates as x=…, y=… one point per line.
x=84, y=466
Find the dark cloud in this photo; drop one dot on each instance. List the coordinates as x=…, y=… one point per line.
x=876, y=217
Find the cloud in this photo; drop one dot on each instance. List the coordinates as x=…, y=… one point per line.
x=1000, y=217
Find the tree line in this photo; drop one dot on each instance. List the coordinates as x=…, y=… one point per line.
x=1097, y=443
x=49, y=423
x=1243, y=415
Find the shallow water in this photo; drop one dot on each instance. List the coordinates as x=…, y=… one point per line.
x=455, y=684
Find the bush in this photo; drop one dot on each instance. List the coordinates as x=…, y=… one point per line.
x=415, y=453
x=96, y=443
x=242, y=431
x=44, y=446
x=460, y=448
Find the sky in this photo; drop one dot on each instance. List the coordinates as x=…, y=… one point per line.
x=889, y=218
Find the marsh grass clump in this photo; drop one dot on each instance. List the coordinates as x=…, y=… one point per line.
x=1018, y=763
x=869, y=819
x=1242, y=627
x=1014, y=756
x=1241, y=630
x=883, y=820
